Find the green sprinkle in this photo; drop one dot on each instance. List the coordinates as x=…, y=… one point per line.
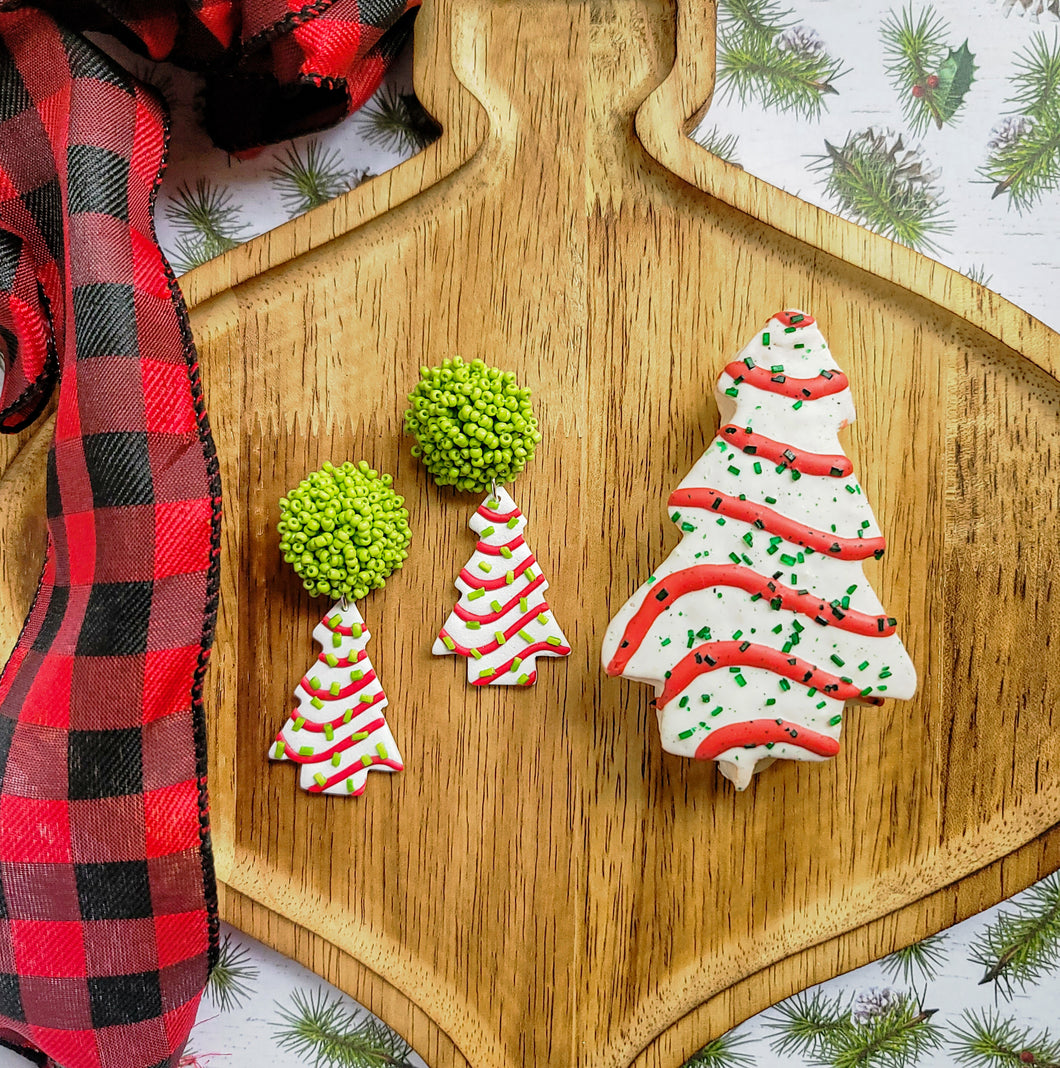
x=320, y=780
x=850, y=489
x=366, y=760
x=683, y=703
x=509, y=577
x=778, y=628
x=771, y=500
x=487, y=531
x=851, y=589
x=741, y=681
x=331, y=659
x=717, y=711
x=305, y=750
x=523, y=680
x=757, y=468
x=476, y=654
x=506, y=552
x=359, y=736
x=366, y=698
x=349, y=786
x=499, y=635
x=770, y=701
x=496, y=605
x=864, y=664
x=665, y=641
x=737, y=635
x=530, y=574
x=381, y=750
x=523, y=602
x=837, y=660
x=356, y=630
x=865, y=692
x=474, y=595
x=280, y=749
x=835, y=720
x=749, y=538
x=515, y=663
x=734, y=558
x=797, y=405
x=484, y=566
x=687, y=527
x=733, y=470
x=329, y=732
x=472, y=624
x=676, y=517
x=526, y=637
x=732, y=391
x=720, y=521
x=336, y=640
x=299, y=723
x=316, y=702
x=686, y=734
x=485, y=673
x=786, y=558
x=513, y=522
x=785, y=685
x=357, y=675
x=765, y=338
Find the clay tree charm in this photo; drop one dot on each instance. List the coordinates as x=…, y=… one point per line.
x=475, y=430
x=344, y=530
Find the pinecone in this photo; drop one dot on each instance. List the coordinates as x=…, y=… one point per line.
x=1010, y=130
x=803, y=40
x=872, y=1003
x=1034, y=9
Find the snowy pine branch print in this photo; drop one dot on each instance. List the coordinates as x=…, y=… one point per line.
x=764, y=53
x=989, y=1040
x=1024, y=148
x=309, y=176
x=232, y=980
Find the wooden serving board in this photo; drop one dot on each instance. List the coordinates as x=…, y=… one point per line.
x=542, y=886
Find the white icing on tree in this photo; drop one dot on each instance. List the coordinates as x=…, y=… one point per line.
x=338, y=732
x=502, y=622
x=760, y=628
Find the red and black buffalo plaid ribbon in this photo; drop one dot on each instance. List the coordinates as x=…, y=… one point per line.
x=108, y=917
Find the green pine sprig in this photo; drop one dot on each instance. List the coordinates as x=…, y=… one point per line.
x=208, y=223
x=722, y=1052
x=875, y=180
x=921, y=961
x=988, y=1040
x=930, y=76
x=885, y=1030
x=718, y=144
x=329, y=1034
x=1024, y=159
x=764, y=54
x=978, y=273
x=397, y=122
x=232, y=980
x=1023, y=943
x=306, y=178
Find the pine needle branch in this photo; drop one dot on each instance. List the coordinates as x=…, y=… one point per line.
x=761, y=19
x=920, y=961
x=930, y=76
x=718, y=144
x=1023, y=944
x=986, y=1040
x=1024, y=159
x=808, y=1024
x=873, y=179
x=330, y=1035
x=723, y=1052
x=790, y=72
x=231, y=981
x=306, y=179
x=397, y=122
x=978, y=273
x=207, y=222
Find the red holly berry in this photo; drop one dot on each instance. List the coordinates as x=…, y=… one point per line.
x=918, y=90
x=933, y=81
x=1026, y=1057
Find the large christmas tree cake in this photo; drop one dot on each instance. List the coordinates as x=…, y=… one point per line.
x=759, y=629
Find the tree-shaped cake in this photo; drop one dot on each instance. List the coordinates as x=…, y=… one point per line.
x=344, y=530
x=759, y=628
x=475, y=430
x=502, y=622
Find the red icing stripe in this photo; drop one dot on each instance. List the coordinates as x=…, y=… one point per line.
x=498, y=517
x=338, y=747
x=343, y=661
x=341, y=776
x=667, y=590
x=490, y=617
x=358, y=708
x=712, y=656
x=822, y=385
x=713, y=500
x=513, y=628
x=477, y=583
x=341, y=628
x=794, y=318
x=777, y=452
x=495, y=550
x=530, y=650
x=761, y=732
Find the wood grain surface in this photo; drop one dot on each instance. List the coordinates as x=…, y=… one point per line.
x=543, y=886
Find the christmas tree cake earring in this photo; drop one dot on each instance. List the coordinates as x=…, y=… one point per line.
x=759, y=629
x=344, y=530
x=475, y=430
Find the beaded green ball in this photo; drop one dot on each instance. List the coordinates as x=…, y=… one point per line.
x=473, y=425
x=344, y=530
